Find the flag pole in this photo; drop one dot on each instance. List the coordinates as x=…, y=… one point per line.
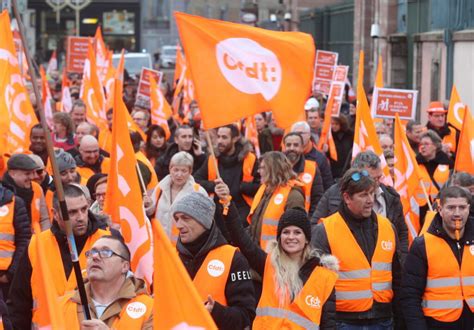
x=211, y=151
x=57, y=178
x=426, y=195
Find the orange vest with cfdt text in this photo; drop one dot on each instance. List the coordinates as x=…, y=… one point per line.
x=7, y=234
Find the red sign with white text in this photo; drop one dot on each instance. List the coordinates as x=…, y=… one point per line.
x=143, y=91
x=76, y=53
x=324, y=71
x=386, y=102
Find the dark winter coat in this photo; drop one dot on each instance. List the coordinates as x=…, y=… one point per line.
x=343, y=142
x=323, y=165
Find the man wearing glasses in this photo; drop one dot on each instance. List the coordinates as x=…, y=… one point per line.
x=26, y=306
x=367, y=247
x=116, y=298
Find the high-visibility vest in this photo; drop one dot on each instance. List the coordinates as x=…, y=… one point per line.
x=133, y=315
x=49, y=203
x=450, y=139
x=361, y=282
x=174, y=231
x=7, y=234
x=247, y=169
x=211, y=278
x=55, y=264
x=307, y=177
x=35, y=203
x=440, y=176
x=448, y=285
x=304, y=312
x=86, y=172
x=429, y=216
x=273, y=212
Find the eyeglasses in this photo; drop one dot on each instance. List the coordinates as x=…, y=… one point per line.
x=356, y=176
x=103, y=254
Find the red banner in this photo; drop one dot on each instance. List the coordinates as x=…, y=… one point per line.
x=76, y=53
x=386, y=102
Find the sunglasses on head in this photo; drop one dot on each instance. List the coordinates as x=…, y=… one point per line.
x=356, y=176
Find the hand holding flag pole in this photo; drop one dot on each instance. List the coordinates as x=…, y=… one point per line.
x=56, y=175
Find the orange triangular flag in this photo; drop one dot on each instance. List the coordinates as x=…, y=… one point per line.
x=91, y=72
x=326, y=134
x=456, y=109
x=102, y=55
x=179, y=67
x=171, y=284
x=160, y=109
x=124, y=201
x=365, y=136
x=465, y=153
x=256, y=71
x=379, y=74
x=407, y=180
x=47, y=99
x=92, y=104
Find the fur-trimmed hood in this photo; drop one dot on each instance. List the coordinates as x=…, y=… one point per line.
x=329, y=261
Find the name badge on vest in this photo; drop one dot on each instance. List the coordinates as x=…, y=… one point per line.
x=278, y=199
x=215, y=268
x=387, y=245
x=3, y=211
x=136, y=309
x=307, y=178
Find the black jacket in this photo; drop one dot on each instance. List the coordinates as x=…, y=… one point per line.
x=415, y=275
x=22, y=227
x=24, y=193
x=230, y=169
x=332, y=199
x=323, y=165
x=21, y=300
x=162, y=166
x=239, y=291
x=440, y=159
x=343, y=142
x=317, y=188
x=257, y=258
x=365, y=232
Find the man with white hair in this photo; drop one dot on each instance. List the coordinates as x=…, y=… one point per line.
x=311, y=153
x=90, y=161
x=386, y=142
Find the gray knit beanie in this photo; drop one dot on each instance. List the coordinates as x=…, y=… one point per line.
x=198, y=206
x=64, y=160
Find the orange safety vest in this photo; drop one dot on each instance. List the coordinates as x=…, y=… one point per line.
x=304, y=312
x=247, y=169
x=450, y=139
x=153, y=179
x=7, y=234
x=174, y=231
x=35, y=203
x=428, y=220
x=86, y=172
x=307, y=177
x=361, y=282
x=273, y=212
x=133, y=315
x=448, y=286
x=212, y=276
x=49, y=203
x=54, y=261
x=440, y=176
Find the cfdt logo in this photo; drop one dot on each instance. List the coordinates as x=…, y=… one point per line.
x=249, y=67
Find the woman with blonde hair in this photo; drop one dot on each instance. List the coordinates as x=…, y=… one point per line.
x=298, y=283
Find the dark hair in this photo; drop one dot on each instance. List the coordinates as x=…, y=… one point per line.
x=366, y=159
x=343, y=122
x=411, y=124
x=77, y=103
x=351, y=186
x=298, y=134
x=125, y=253
x=70, y=191
x=462, y=179
x=176, y=132
x=136, y=139
x=234, y=130
x=454, y=192
x=37, y=126
x=150, y=150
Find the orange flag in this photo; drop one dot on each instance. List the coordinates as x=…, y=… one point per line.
x=365, y=136
x=177, y=91
x=171, y=284
x=16, y=112
x=326, y=133
x=407, y=180
x=379, y=74
x=124, y=201
x=47, y=98
x=89, y=97
x=252, y=70
x=52, y=64
x=251, y=133
x=91, y=72
x=465, y=153
x=456, y=109
x=160, y=109
x=179, y=67
x=102, y=55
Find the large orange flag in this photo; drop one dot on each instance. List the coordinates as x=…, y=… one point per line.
x=252, y=70
x=456, y=109
x=124, y=201
x=408, y=179
x=102, y=55
x=47, y=98
x=379, y=73
x=465, y=153
x=365, y=136
x=326, y=133
x=92, y=72
x=159, y=108
x=16, y=112
x=89, y=97
x=177, y=303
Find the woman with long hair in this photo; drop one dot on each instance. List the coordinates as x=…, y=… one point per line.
x=155, y=144
x=63, y=131
x=298, y=283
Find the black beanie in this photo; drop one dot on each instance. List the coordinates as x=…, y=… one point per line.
x=295, y=217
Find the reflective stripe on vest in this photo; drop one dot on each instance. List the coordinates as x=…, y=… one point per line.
x=359, y=282
x=447, y=284
x=7, y=234
x=54, y=262
x=304, y=312
x=271, y=215
x=211, y=278
x=307, y=177
x=247, y=170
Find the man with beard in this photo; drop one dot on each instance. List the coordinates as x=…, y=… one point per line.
x=237, y=167
x=306, y=169
x=38, y=142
